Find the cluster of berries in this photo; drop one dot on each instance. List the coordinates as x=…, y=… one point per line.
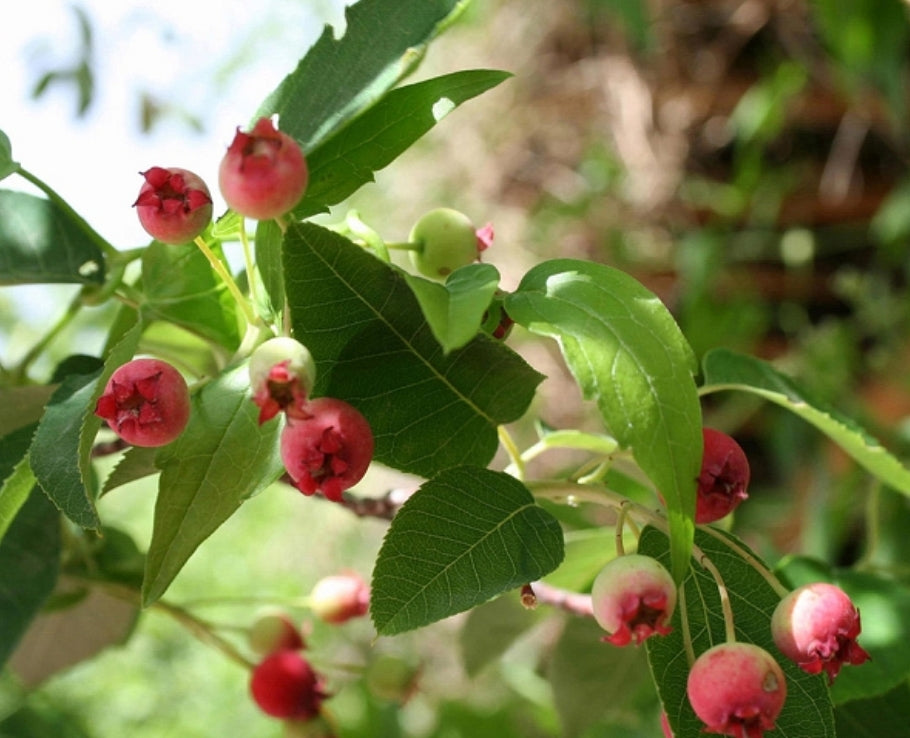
x=326, y=444
x=735, y=688
x=284, y=683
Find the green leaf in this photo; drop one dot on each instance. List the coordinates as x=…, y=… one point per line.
x=346, y=161
x=464, y=537
x=181, y=287
x=455, y=310
x=374, y=349
x=40, y=242
x=338, y=79
x=807, y=710
x=593, y=681
x=727, y=370
x=58, y=457
x=882, y=715
x=16, y=474
x=491, y=629
x=268, y=262
x=21, y=406
x=627, y=353
x=30, y=562
x=7, y=165
x=223, y=457
x=137, y=462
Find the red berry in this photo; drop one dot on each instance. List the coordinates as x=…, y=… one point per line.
x=146, y=402
x=282, y=372
x=284, y=685
x=174, y=205
x=737, y=689
x=665, y=725
x=633, y=598
x=816, y=626
x=263, y=174
x=724, y=477
x=445, y=239
x=328, y=451
x=274, y=632
x=340, y=597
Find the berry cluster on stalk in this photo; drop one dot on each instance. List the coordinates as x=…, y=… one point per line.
x=735, y=688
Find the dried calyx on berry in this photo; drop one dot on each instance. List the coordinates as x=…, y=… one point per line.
x=282, y=373
x=723, y=481
x=146, y=402
x=329, y=450
x=174, y=205
x=816, y=626
x=263, y=174
x=633, y=598
x=737, y=689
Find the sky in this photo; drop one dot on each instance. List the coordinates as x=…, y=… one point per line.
x=212, y=60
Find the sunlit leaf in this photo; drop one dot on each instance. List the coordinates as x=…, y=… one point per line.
x=40, y=242
x=628, y=354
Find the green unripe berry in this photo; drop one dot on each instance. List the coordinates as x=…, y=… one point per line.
x=444, y=240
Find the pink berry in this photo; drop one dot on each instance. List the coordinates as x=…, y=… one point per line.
x=275, y=632
x=282, y=373
x=816, y=626
x=146, y=402
x=724, y=477
x=284, y=685
x=174, y=205
x=263, y=174
x=633, y=598
x=340, y=597
x=737, y=689
x=328, y=451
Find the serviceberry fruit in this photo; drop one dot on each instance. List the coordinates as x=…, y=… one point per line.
x=282, y=373
x=328, y=451
x=146, y=402
x=633, y=598
x=274, y=631
x=174, y=205
x=284, y=685
x=724, y=477
x=816, y=626
x=264, y=173
x=444, y=240
x=340, y=597
x=737, y=689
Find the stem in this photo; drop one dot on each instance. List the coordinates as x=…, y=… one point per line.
x=729, y=626
x=35, y=351
x=765, y=572
x=684, y=620
x=250, y=266
x=196, y=626
x=508, y=443
x=573, y=602
x=53, y=196
x=228, y=280
x=873, y=530
x=370, y=237
x=404, y=246
x=620, y=525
